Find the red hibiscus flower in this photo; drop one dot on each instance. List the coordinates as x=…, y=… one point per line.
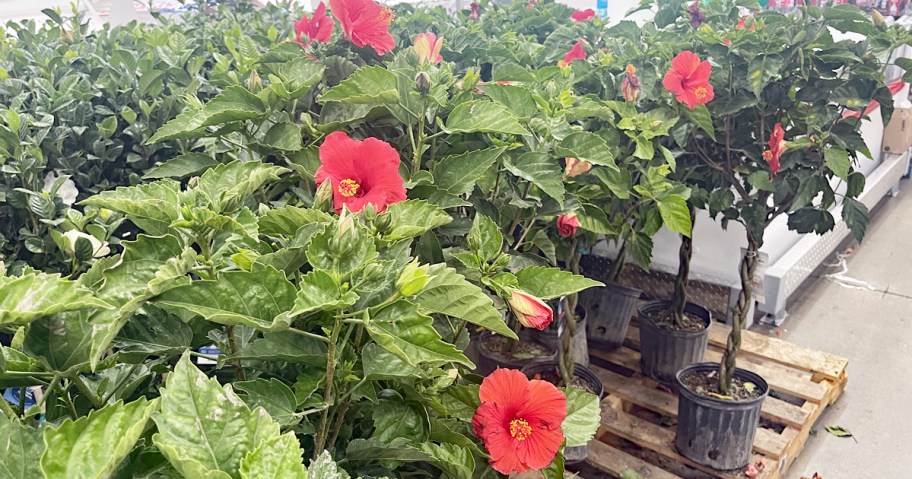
x=776, y=148
x=530, y=311
x=688, y=80
x=428, y=46
x=743, y=23
x=318, y=28
x=567, y=224
x=519, y=421
x=365, y=23
x=360, y=172
x=575, y=53
x=583, y=15
x=475, y=11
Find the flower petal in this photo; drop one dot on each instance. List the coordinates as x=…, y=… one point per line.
x=506, y=387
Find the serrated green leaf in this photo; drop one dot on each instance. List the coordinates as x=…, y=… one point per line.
x=457, y=461
x=319, y=291
x=20, y=448
x=583, y=416
x=482, y=116
x=837, y=160
x=396, y=419
x=276, y=458
x=402, y=330
x=371, y=85
x=27, y=298
x=701, y=117
x=411, y=218
x=540, y=169
x=287, y=220
x=251, y=298
x=283, y=136
x=358, y=249
x=449, y=293
x=94, y=446
x=290, y=348
x=549, y=283
x=761, y=70
x=517, y=99
x=587, y=146
x=458, y=174
x=151, y=206
x=154, y=331
x=204, y=429
x=379, y=363
x=234, y=103
x=323, y=467
x=761, y=181
x=855, y=214
x=855, y=185
x=228, y=185
x=485, y=238
x=272, y=395
x=181, y=166
x=675, y=213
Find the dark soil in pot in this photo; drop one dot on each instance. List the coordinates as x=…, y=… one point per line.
x=667, y=347
x=495, y=351
x=551, y=335
x=715, y=429
x=608, y=313
x=583, y=379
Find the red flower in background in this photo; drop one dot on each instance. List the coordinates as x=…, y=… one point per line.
x=567, y=224
x=776, y=148
x=427, y=46
x=583, y=15
x=743, y=23
x=360, y=172
x=688, y=80
x=318, y=28
x=575, y=53
x=530, y=311
x=365, y=23
x=475, y=10
x=519, y=421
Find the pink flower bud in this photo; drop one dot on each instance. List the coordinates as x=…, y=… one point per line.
x=567, y=224
x=530, y=311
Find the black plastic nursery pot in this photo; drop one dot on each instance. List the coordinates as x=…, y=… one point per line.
x=715, y=432
x=551, y=337
x=490, y=359
x=575, y=454
x=609, y=310
x=664, y=352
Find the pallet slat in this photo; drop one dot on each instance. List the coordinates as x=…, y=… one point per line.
x=614, y=461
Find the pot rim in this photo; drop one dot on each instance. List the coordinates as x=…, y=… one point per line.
x=625, y=290
x=741, y=373
x=690, y=333
x=579, y=371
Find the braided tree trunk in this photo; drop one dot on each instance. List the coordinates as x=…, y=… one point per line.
x=739, y=315
x=685, y=253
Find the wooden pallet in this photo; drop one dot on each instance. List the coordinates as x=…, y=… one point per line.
x=638, y=414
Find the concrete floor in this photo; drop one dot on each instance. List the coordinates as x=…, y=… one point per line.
x=873, y=329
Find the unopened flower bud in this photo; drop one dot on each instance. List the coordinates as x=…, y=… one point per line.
x=254, y=82
x=413, y=279
x=423, y=83
x=530, y=311
x=323, y=198
x=369, y=212
x=878, y=19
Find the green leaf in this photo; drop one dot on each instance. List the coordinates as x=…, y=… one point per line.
x=761, y=70
x=855, y=185
x=151, y=206
x=458, y=174
x=583, y=416
x=320, y=291
x=396, y=419
x=629, y=473
x=811, y=220
x=517, y=99
x=286, y=221
x=273, y=396
x=587, y=146
x=449, y=293
x=285, y=347
x=283, y=136
x=594, y=219
x=181, y=166
x=276, y=458
x=356, y=249
x=619, y=182
x=675, y=213
x=323, y=467
x=700, y=115
x=156, y=332
x=457, y=461
x=855, y=214
x=542, y=170
x=411, y=218
x=549, y=283
x=20, y=448
x=228, y=185
x=234, y=103
x=480, y=116
x=402, y=330
x=62, y=342
x=369, y=86
x=761, y=181
x=251, y=298
x=27, y=298
x=837, y=159
x=204, y=429
x=838, y=431
x=555, y=470
x=299, y=75
x=94, y=446
x=379, y=363
x=485, y=238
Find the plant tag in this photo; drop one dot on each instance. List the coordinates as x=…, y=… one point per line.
x=758, y=286
x=211, y=349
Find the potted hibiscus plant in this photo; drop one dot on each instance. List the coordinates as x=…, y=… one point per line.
x=772, y=138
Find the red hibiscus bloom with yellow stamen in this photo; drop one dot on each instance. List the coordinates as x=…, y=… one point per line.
x=317, y=28
x=583, y=15
x=688, y=80
x=519, y=421
x=365, y=23
x=776, y=148
x=361, y=172
x=575, y=53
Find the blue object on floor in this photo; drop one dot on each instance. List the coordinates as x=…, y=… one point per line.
x=12, y=396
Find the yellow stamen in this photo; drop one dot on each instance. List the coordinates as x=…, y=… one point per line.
x=387, y=16
x=520, y=429
x=561, y=63
x=631, y=70
x=768, y=155
x=348, y=187
x=701, y=92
